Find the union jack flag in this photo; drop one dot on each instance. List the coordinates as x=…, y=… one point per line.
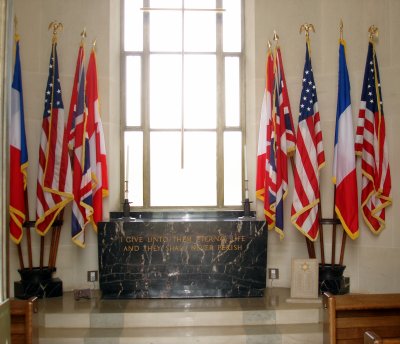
x=371, y=145
x=82, y=209
x=98, y=157
x=284, y=140
x=285, y=105
x=266, y=178
x=310, y=157
x=54, y=187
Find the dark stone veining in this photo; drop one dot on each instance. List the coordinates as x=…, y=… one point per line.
x=185, y=258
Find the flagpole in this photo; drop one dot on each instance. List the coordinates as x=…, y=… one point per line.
x=19, y=247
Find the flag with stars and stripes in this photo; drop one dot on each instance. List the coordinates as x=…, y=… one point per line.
x=372, y=147
x=344, y=162
x=266, y=176
x=284, y=140
x=82, y=208
x=54, y=183
x=309, y=158
x=18, y=154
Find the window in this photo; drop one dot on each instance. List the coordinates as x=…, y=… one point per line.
x=182, y=102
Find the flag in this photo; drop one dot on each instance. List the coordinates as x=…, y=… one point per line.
x=54, y=189
x=309, y=159
x=97, y=145
x=18, y=154
x=82, y=208
x=285, y=106
x=284, y=139
x=265, y=179
x=371, y=145
x=344, y=165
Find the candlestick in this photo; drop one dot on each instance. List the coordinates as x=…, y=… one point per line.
x=245, y=163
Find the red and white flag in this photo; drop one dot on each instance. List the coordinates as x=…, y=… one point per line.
x=98, y=157
x=344, y=162
x=54, y=183
x=284, y=141
x=266, y=177
x=82, y=209
x=18, y=154
x=309, y=159
x=371, y=145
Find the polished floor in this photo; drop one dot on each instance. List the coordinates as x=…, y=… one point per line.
x=274, y=318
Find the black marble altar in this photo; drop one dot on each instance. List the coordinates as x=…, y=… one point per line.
x=182, y=255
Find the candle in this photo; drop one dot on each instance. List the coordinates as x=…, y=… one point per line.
x=245, y=163
x=126, y=172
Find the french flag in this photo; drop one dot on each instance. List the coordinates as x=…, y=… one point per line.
x=344, y=165
x=18, y=154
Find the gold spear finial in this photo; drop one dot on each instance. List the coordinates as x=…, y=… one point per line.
x=307, y=27
x=373, y=32
x=83, y=35
x=269, y=44
x=341, y=29
x=94, y=43
x=56, y=26
x=16, y=35
x=276, y=37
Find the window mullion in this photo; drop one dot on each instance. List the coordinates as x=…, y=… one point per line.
x=220, y=109
x=145, y=106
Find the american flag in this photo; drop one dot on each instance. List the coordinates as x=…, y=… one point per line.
x=82, y=209
x=371, y=145
x=97, y=145
x=284, y=139
x=18, y=154
x=344, y=164
x=266, y=178
x=54, y=187
x=310, y=157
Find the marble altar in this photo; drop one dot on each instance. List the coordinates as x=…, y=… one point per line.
x=182, y=255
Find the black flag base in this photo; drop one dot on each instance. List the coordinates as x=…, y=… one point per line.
x=331, y=279
x=37, y=282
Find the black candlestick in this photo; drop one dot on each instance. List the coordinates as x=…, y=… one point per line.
x=246, y=208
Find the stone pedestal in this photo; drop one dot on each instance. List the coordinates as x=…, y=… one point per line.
x=37, y=282
x=182, y=257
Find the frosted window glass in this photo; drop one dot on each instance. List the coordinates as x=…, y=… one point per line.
x=133, y=25
x=133, y=91
x=232, y=25
x=195, y=184
x=232, y=168
x=165, y=91
x=165, y=31
x=133, y=163
x=200, y=91
x=232, y=91
x=200, y=31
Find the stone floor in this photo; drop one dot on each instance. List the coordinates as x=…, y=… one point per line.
x=274, y=318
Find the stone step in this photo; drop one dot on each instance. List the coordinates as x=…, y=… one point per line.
x=247, y=334
x=181, y=319
x=269, y=319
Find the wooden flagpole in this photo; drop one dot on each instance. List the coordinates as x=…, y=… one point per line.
x=27, y=225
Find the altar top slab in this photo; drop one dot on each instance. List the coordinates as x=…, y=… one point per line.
x=174, y=216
